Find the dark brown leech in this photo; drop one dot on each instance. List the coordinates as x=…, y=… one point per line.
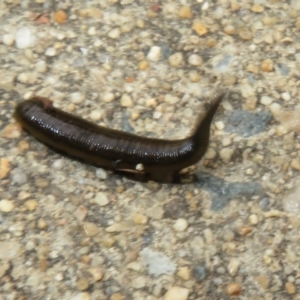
x=161, y=159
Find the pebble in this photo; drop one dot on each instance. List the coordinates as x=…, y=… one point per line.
x=199, y=28
x=199, y=273
x=195, y=60
x=253, y=219
x=154, y=53
x=11, y=131
x=267, y=65
x=143, y=65
x=60, y=17
x=101, y=199
x=180, y=225
x=126, y=101
x=290, y=288
x=226, y=154
x=101, y=174
x=108, y=97
x=114, y=33
x=233, y=266
x=291, y=202
x=82, y=284
x=185, y=12
x=81, y=296
x=6, y=206
x=233, y=289
x=194, y=76
x=96, y=115
x=184, y=273
x=176, y=293
x=266, y=100
x=263, y=281
x=80, y=213
x=24, y=38
x=90, y=229
x=76, y=97
x=243, y=230
x=176, y=60
x=31, y=204
x=5, y=167
x=10, y=250
x=96, y=273
x=286, y=96
x=230, y=29
x=140, y=219
x=8, y=39
x=258, y=8
x=50, y=52
x=41, y=66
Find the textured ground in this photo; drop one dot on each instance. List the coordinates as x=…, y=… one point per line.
x=73, y=231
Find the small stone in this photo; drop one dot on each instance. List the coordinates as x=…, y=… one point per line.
x=126, y=101
x=180, y=225
x=24, y=38
x=266, y=100
x=81, y=296
x=101, y=174
x=233, y=266
x=176, y=293
x=114, y=33
x=117, y=296
x=194, y=76
x=108, y=97
x=50, y=52
x=135, y=266
x=243, y=230
x=60, y=17
x=12, y=131
x=96, y=115
x=262, y=281
x=226, y=154
x=101, y=199
x=195, y=60
x=230, y=29
x=91, y=31
x=267, y=65
x=82, y=284
x=91, y=12
x=154, y=53
x=140, y=219
x=252, y=68
x=6, y=205
x=5, y=167
x=80, y=213
x=233, y=289
x=291, y=202
x=253, y=219
x=258, y=8
x=31, y=204
x=286, y=96
x=96, y=273
x=41, y=66
x=41, y=224
x=295, y=164
x=77, y=97
x=143, y=65
x=184, y=273
x=199, y=28
x=176, y=59
x=290, y=288
x=245, y=34
x=9, y=250
x=8, y=39
x=211, y=153
x=185, y=12
x=108, y=241
x=90, y=229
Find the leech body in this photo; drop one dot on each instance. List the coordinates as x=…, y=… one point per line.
x=161, y=159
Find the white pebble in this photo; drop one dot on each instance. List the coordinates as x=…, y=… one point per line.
x=195, y=60
x=154, y=54
x=233, y=266
x=177, y=293
x=77, y=97
x=101, y=199
x=226, y=154
x=126, y=101
x=181, y=225
x=253, y=219
x=50, y=52
x=8, y=39
x=176, y=60
x=96, y=115
x=58, y=164
x=114, y=33
x=108, y=97
x=24, y=38
x=266, y=100
x=41, y=66
x=6, y=205
x=101, y=174
x=286, y=96
x=91, y=31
